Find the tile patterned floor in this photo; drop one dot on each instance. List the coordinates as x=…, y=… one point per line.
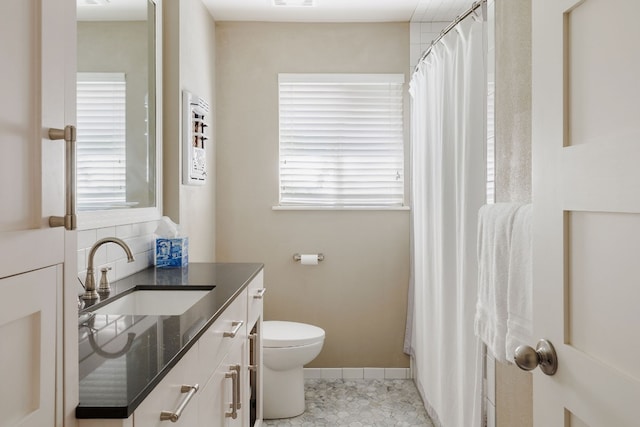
x=360, y=403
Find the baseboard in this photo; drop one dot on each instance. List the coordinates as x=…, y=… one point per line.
x=358, y=373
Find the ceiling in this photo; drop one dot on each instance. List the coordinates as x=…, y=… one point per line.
x=111, y=10
x=339, y=10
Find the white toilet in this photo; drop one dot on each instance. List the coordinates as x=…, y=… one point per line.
x=287, y=347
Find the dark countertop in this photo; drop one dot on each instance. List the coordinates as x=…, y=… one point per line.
x=122, y=357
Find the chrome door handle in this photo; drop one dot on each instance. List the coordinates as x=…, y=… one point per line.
x=260, y=293
x=69, y=218
x=544, y=356
x=175, y=416
x=232, y=334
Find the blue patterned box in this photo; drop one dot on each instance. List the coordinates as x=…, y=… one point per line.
x=172, y=252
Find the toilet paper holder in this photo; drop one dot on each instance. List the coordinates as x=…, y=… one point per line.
x=298, y=257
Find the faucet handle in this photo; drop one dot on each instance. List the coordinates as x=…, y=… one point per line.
x=104, y=287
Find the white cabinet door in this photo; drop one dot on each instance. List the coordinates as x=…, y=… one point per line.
x=28, y=337
x=169, y=395
x=253, y=387
x=586, y=146
x=223, y=360
x=222, y=392
x=217, y=341
x=37, y=53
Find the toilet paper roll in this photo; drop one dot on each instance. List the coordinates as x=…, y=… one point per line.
x=309, y=259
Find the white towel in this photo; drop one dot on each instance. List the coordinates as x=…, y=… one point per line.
x=520, y=287
x=495, y=224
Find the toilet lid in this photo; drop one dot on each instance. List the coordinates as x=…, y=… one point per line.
x=276, y=333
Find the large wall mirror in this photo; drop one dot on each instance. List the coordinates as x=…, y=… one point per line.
x=118, y=112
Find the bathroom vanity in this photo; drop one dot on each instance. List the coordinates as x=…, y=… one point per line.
x=174, y=347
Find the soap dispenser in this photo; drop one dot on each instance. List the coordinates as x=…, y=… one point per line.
x=104, y=286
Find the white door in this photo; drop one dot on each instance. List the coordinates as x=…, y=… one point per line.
x=37, y=53
x=586, y=171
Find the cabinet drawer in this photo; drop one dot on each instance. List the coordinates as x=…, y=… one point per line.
x=255, y=298
x=217, y=398
x=214, y=345
x=168, y=396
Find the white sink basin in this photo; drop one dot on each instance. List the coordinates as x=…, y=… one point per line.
x=153, y=303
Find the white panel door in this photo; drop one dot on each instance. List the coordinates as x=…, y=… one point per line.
x=37, y=84
x=586, y=149
x=28, y=336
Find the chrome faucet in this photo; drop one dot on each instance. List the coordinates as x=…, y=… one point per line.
x=90, y=292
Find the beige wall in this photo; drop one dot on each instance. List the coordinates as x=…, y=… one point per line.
x=514, y=394
x=358, y=294
x=513, y=101
x=189, y=64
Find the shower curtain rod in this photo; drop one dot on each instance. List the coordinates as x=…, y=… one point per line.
x=450, y=27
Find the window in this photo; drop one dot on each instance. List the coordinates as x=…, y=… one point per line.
x=341, y=140
x=101, y=141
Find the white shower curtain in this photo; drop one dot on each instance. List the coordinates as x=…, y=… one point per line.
x=448, y=93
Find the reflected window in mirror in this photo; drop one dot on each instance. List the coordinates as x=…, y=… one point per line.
x=101, y=141
x=117, y=146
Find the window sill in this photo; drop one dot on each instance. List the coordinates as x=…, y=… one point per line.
x=340, y=208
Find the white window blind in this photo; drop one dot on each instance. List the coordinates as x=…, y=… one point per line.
x=341, y=140
x=101, y=140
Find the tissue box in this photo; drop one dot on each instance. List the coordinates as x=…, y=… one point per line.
x=172, y=252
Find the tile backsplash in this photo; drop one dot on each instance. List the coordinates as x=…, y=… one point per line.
x=421, y=34
x=140, y=238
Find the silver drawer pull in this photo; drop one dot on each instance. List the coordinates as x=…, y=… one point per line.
x=252, y=354
x=232, y=334
x=260, y=293
x=237, y=398
x=68, y=221
x=233, y=374
x=175, y=416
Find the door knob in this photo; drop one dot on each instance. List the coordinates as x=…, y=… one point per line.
x=544, y=355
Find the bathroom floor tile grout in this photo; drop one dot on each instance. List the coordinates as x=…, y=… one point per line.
x=359, y=403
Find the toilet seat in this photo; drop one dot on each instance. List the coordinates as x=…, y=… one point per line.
x=279, y=334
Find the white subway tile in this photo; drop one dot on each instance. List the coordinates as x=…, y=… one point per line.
x=124, y=231
x=414, y=54
x=82, y=259
x=312, y=373
x=438, y=26
x=425, y=27
x=148, y=227
x=86, y=238
x=106, y=232
x=414, y=32
x=353, y=373
x=374, y=373
x=139, y=244
x=332, y=373
x=395, y=373
x=136, y=229
x=150, y=258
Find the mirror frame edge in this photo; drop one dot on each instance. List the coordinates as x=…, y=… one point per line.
x=108, y=218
